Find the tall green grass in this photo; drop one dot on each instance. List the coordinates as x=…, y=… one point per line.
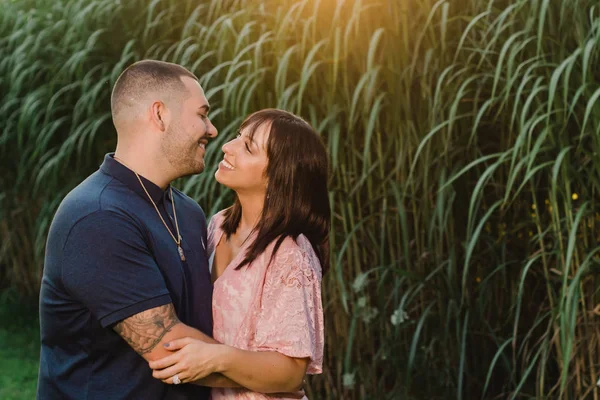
x=19, y=346
x=463, y=136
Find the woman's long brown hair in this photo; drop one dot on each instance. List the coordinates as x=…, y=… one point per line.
x=297, y=200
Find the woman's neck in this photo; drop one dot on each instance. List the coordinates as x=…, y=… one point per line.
x=252, y=207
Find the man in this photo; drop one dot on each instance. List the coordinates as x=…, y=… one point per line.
x=126, y=266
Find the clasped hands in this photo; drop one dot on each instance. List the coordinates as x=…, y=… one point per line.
x=191, y=360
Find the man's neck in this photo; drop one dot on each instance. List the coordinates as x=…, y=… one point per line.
x=140, y=165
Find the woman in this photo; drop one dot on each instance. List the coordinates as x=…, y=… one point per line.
x=268, y=253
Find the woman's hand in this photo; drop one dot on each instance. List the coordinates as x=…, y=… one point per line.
x=192, y=360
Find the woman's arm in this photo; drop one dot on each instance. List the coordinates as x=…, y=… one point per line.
x=259, y=371
x=262, y=371
x=217, y=380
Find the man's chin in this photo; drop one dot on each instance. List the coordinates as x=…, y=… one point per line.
x=197, y=170
x=192, y=170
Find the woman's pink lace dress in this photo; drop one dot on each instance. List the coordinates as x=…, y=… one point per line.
x=269, y=309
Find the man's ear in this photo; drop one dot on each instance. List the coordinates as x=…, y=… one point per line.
x=159, y=115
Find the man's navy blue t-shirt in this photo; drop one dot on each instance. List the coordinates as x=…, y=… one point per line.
x=109, y=257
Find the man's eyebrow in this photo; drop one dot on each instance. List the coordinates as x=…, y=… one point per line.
x=206, y=108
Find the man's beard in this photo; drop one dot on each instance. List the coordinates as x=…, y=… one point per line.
x=181, y=157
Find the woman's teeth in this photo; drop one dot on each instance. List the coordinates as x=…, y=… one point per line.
x=227, y=165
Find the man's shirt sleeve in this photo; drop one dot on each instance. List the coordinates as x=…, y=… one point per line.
x=107, y=266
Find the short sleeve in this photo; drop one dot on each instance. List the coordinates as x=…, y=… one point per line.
x=109, y=268
x=290, y=319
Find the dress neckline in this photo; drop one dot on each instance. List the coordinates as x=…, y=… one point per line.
x=219, y=237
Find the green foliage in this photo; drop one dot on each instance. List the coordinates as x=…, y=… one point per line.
x=463, y=136
x=19, y=346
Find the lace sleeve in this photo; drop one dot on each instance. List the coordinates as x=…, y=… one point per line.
x=290, y=319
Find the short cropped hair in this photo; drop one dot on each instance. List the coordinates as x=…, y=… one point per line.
x=144, y=77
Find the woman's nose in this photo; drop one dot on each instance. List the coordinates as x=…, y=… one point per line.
x=226, y=148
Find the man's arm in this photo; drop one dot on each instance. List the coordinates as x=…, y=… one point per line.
x=147, y=332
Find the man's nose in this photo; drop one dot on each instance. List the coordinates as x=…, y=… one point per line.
x=212, y=131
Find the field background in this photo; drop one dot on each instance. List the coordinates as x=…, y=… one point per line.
x=464, y=140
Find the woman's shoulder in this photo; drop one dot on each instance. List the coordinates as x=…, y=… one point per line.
x=300, y=244
x=297, y=253
x=214, y=227
x=217, y=219
x=219, y=215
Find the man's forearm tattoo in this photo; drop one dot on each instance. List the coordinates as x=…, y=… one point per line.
x=145, y=330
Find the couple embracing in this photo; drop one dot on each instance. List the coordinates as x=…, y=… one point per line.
x=142, y=299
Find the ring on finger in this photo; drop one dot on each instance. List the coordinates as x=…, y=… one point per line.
x=176, y=380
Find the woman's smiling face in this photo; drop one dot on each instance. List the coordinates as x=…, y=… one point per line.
x=244, y=164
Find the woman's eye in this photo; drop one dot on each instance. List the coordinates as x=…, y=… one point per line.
x=247, y=148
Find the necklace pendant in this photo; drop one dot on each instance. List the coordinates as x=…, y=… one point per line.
x=181, y=254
